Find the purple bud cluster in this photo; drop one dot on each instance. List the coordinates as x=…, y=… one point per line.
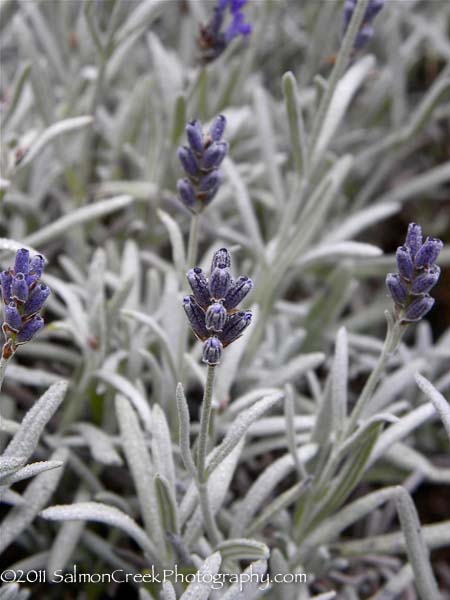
x=23, y=295
x=366, y=31
x=212, y=308
x=201, y=160
x=213, y=39
x=417, y=275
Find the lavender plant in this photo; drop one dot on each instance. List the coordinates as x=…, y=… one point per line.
x=299, y=460
x=23, y=296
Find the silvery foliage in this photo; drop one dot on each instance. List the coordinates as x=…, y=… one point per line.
x=98, y=95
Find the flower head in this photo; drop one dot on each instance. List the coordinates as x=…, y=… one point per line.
x=201, y=160
x=23, y=295
x=213, y=38
x=417, y=275
x=211, y=309
x=366, y=31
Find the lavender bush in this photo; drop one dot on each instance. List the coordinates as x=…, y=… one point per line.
x=170, y=428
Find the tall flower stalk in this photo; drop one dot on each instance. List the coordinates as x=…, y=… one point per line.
x=213, y=315
x=23, y=296
x=409, y=289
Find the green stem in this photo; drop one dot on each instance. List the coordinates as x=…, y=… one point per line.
x=205, y=419
x=393, y=336
x=190, y=262
x=342, y=61
x=193, y=241
x=3, y=365
x=202, y=479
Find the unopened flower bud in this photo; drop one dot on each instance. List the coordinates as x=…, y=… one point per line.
x=36, y=300
x=217, y=128
x=187, y=194
x=199, y=286
x=404, y=262
x=396, y=288
x=188, y=160
x=215, y=317
x=196, y=317
x=12, y=317
x=237, y=292
x=423, y=283
x=6, y=286
x=21, y=264
x=235, y=325
x=19, y=288
x=219, y=282
x=428, y=253
x=214, y=155
x=418, y=308
x=30, y=329
x=212, y=351
x=414, y=238
x=195, y=136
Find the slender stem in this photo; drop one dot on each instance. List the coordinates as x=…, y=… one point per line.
x=193, y=241
x=190, y=262
x=205, y=419
x=393, y=337
x=202, y=479
x=342, y=60
x=3, y=365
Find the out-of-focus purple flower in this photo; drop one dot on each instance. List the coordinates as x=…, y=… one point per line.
x=417, y=275
x=200, y=161
x=211, y=310
x=24, y=296
x=213, y=39
x=366, y=30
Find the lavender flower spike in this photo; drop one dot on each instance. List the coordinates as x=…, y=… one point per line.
x=200, y=162
x=417, y=275
x=211, y=310
x=24, y=296
x=213, y=39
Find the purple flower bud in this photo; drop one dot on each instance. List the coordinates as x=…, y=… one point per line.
x=237, y=292
x=214, y=155
x=21, y=264
x=194, y=135
x=428, y=253
x=215, y=318
x=234, y=327
x=217, y=128
x=418, y=308
x=207, y=197
x=187, y=194
x=219, y=282
x=30, y=329
x=221, y=259
x=396, y=288
x=12, y=317
x=196, y=317
x=423, y=283
x=211, y=181
x=37, y=265
x=373, y=9
x=364, y=35
x=188, y=160
x=6, y=286
x=414, y=238
x=212, y=351
x=199, y=286
x=36, y=300
x=237, y=27
x=404, y=262
x=19, y=288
